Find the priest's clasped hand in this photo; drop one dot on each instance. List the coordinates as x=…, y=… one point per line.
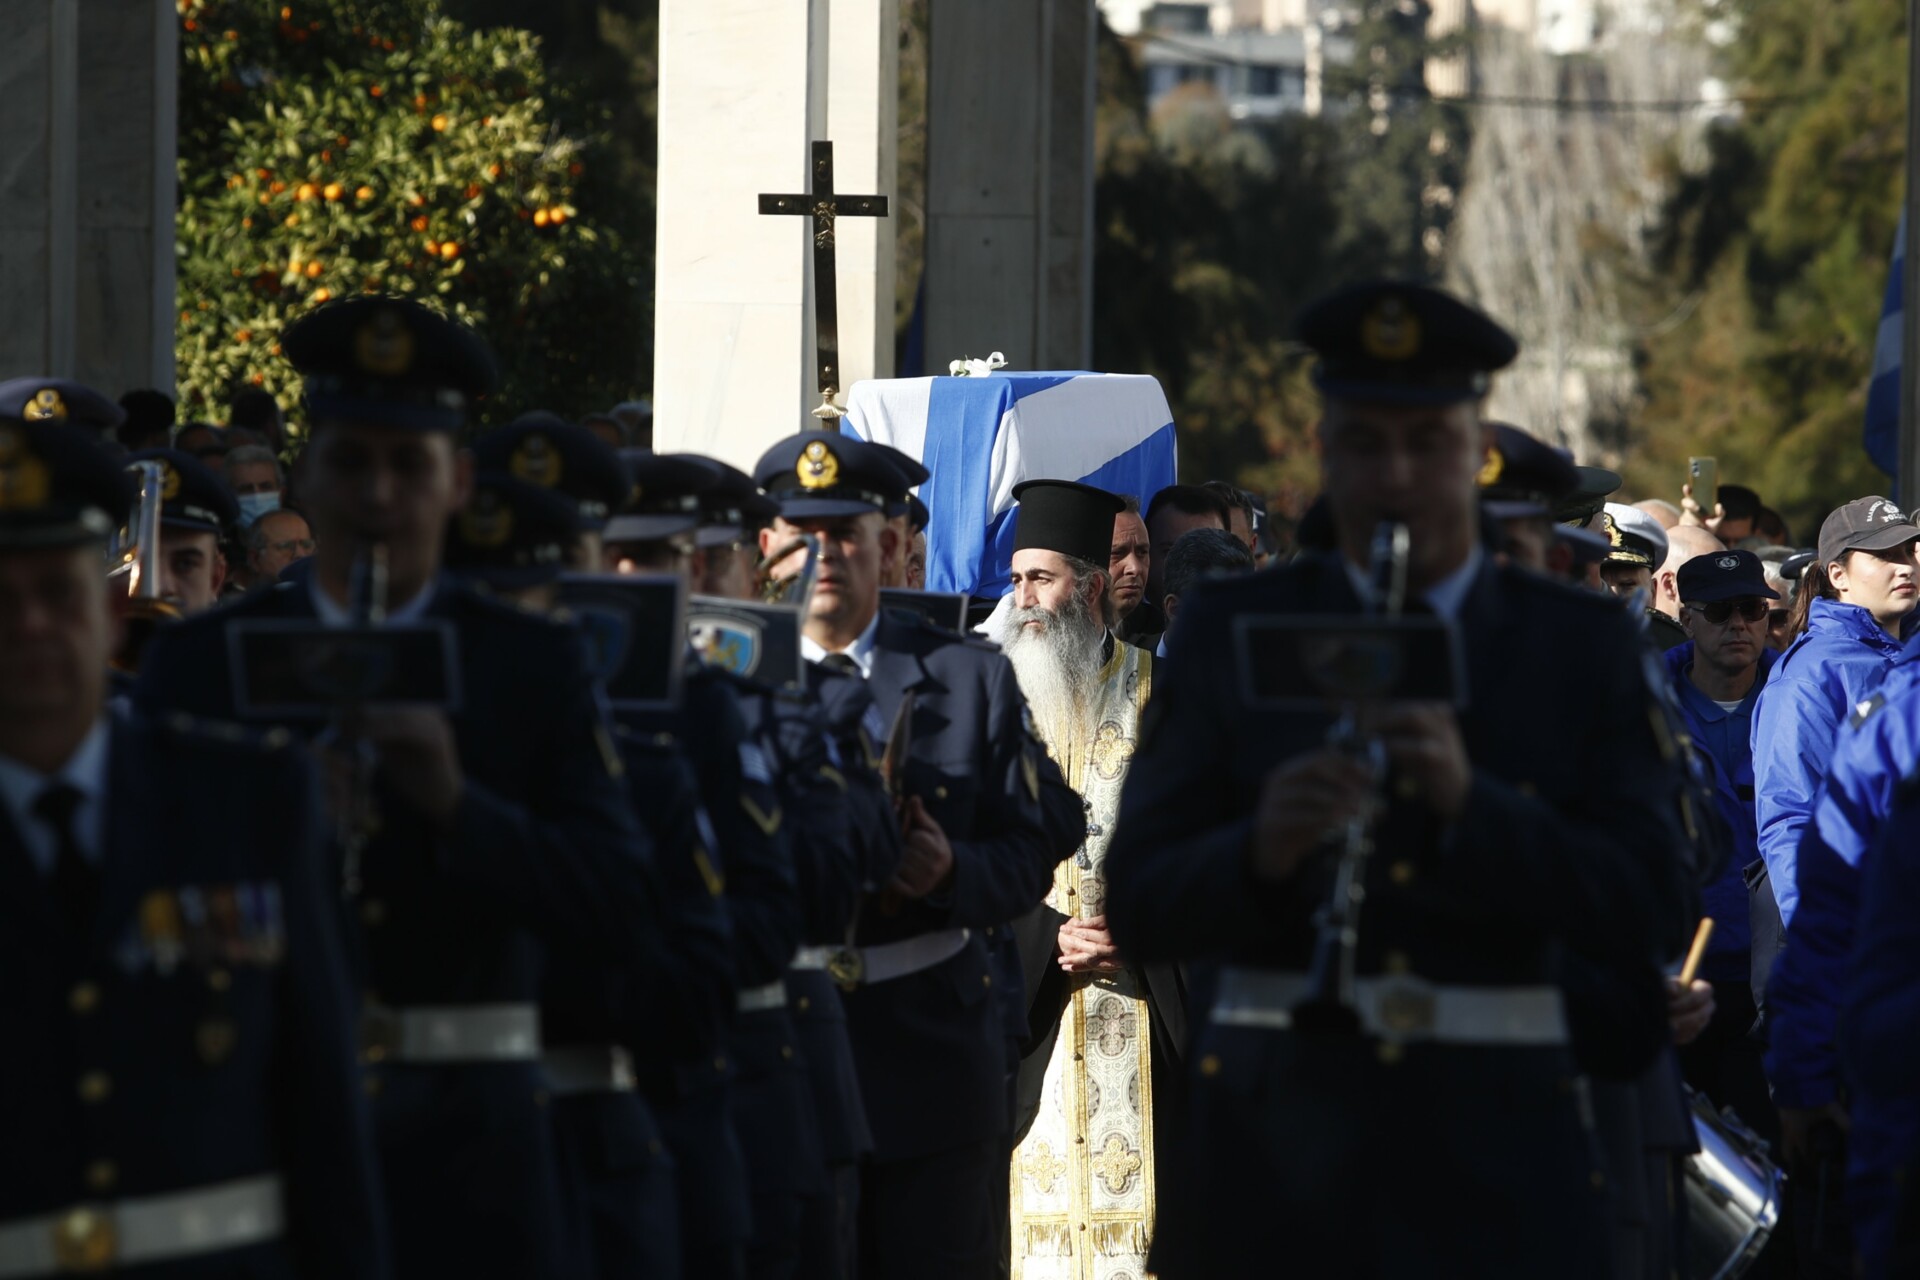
x=1087, y=947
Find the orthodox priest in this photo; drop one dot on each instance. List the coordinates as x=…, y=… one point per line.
x=1104, y=1035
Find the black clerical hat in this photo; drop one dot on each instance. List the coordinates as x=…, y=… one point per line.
x=1073, y=519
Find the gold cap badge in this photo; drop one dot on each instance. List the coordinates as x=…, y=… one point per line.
x=817, y=468
x=536, y=461
x=384, y=345
x=1390, y=331
x=46, y=406
x=1491, y=469
x=487, y=522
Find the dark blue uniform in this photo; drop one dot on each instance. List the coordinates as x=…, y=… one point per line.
x=543, y=846
x=1879, y=1039
x=200, y=1032
x=678, y=1027
x=1564, y=844
x=931, y=1047
x=836, y=815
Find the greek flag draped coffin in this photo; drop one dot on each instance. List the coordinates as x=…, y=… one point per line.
x=981, y=436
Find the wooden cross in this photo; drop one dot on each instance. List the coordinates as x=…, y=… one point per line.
x=824, y=206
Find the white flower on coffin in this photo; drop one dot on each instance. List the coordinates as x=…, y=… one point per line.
x=967, y=368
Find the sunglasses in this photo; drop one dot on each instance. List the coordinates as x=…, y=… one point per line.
x=1751, y=609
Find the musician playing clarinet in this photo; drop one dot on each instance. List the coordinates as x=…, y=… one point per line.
x=1385, y=1084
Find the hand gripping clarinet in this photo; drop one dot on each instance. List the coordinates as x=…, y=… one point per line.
x=1330, y=1004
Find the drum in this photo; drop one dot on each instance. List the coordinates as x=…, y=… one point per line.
x=1733, y=1194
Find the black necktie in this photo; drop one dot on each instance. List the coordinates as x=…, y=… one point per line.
x=841, y=664
x=75, y=884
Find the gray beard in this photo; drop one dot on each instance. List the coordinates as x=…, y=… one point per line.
x=1055, y=662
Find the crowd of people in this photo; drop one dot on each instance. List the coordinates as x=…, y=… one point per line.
x=1063, y=948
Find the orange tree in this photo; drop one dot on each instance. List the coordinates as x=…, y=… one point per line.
x=363, y=146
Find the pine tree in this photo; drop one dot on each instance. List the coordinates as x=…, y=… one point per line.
x=367, y=146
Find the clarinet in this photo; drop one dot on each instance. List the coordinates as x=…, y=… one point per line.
x=368, y=595
x=1330, y=1003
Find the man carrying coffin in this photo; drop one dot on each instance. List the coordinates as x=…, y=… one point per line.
x=1101, y=1071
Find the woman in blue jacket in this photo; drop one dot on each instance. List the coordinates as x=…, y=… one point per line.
x=1855, y=600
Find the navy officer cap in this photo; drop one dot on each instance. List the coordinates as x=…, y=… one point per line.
x=191, y=495
x=1523, y=477
x=666, y=494
x=58, y=400
x=732, y=508
x=388, y=362
x=58, y=487
x=1723, y=575
x=1589, y=495
x=512, y=533
x=1403, y=343
x=819, y=475
x=545, y=449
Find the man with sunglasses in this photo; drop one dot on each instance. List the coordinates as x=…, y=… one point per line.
x=1717, y=677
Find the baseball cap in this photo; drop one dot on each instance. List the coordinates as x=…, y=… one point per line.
x=1723, y=575
x=1865, y=524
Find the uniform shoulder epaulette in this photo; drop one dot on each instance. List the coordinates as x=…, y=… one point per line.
x=225, y=733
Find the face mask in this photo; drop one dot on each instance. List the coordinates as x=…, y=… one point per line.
x=255, y=505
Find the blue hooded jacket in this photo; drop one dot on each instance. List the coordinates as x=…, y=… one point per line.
x=1834, y=665
x=1725, y=737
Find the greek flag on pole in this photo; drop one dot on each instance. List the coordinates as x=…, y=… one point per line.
x=982, y=436
x=1883, y=392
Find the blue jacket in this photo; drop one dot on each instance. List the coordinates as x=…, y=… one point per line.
x=1834, y=664
x=1803, y=995
x=1726, y=737
x=1880, y=1030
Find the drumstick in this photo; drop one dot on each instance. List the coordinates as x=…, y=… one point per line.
x=1698, y=949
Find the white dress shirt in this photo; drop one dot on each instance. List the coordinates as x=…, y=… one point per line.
x=332, y=614
x=861, y=650
x=86, y=772
x=1445, y=597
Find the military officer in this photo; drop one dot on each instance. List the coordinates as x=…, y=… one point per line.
x=182, y=1098
x=499, y=825
x=1500, y=845
x=732, y=737
x=514, y=539
x=197, y=514
x=844, y=838
x=923, y=1014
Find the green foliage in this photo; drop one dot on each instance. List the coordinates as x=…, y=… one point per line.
x=1211, y=234
x=380, y=146
x=1771, y=263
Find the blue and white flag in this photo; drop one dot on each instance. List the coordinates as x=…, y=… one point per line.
x=982, y=436
x=1883, y=392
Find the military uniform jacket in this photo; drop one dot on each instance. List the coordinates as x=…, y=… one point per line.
x=931, y=1046
x=1568, y=840
x=159, y=1055
x=543, y=844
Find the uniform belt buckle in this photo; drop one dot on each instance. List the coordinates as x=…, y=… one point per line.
x=846, y=968
x=85, y=1241
x=1406, y=1008
x=379, y=1033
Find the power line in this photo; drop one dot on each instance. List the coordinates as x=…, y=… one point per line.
x=1341, y=79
